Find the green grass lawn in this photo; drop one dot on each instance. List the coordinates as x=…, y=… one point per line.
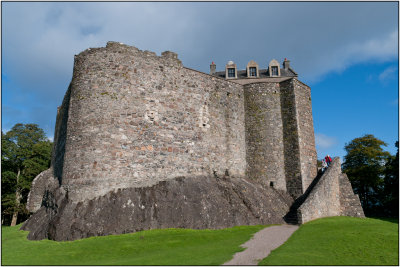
x=340, y=241
x=327, y=241
x=152, y=247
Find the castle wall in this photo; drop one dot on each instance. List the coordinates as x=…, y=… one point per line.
x=60, y=135
x=298, y=136
x=308, y=153
x=135, y=119
x=290, y=140
x=264, y=134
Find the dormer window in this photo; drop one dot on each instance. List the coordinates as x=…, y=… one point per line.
x=231, y=72
x=253, y=71
x=274, y=68
x=274, y=71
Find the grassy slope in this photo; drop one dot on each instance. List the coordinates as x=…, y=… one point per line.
x=153, y=247
x=340, y=241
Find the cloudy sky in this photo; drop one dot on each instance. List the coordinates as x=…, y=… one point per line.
x=347, y=52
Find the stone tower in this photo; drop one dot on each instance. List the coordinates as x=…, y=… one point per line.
x=280, y=146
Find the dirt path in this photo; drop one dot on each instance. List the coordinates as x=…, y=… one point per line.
x=262, y=243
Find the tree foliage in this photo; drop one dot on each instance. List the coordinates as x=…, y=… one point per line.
x=25, y=153
x=390, y=194
x=365, y=165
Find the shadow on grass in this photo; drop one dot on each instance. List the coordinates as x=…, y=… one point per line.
x=392, y=220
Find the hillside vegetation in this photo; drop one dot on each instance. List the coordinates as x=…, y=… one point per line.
x=340, y=241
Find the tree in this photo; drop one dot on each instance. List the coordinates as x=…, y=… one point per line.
x=390, y=194
x=365, y=166
x=25, y=153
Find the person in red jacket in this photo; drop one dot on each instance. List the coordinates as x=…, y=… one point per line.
x=328, y=160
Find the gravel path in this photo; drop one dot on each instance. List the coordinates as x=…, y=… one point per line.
x=262, y=243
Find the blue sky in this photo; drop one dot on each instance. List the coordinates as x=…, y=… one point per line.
x=347, y=52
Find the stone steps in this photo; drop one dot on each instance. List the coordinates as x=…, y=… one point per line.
x=291, y=217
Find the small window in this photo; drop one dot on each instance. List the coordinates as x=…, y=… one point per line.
x=253, y=71
x=271, y=184
x=274, y=71
x=231, y=72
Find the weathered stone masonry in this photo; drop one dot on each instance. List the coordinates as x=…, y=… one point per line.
x=299, y=141
x=143, y=142
x=264, y=130
x=331, y=196
x=280, y=134
x=136, y=119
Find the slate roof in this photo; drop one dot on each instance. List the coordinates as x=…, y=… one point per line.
x=242, y=74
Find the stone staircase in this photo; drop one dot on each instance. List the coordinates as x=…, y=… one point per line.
x=292, y=217
x=325, y=200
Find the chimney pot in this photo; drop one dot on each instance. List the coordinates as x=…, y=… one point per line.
x=286, y=64
x=213, y=67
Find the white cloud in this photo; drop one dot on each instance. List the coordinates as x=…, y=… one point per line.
x=44, y=36
x=377, y=49
x=323, y=141
x=39, y=39
x=388, y=74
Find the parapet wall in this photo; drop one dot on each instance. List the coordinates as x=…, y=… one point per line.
x=331, y=196
x=135, y=119
x=324, y=199
x=349, y=202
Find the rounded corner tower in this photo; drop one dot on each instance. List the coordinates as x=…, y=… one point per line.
x=132, y=118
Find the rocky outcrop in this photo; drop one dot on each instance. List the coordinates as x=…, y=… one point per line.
x=196, y=203
x=38, y=188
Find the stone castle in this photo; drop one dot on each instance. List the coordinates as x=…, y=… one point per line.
x=143, y=142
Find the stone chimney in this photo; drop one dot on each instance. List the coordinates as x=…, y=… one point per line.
x=286, y=64
x=213, y=67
